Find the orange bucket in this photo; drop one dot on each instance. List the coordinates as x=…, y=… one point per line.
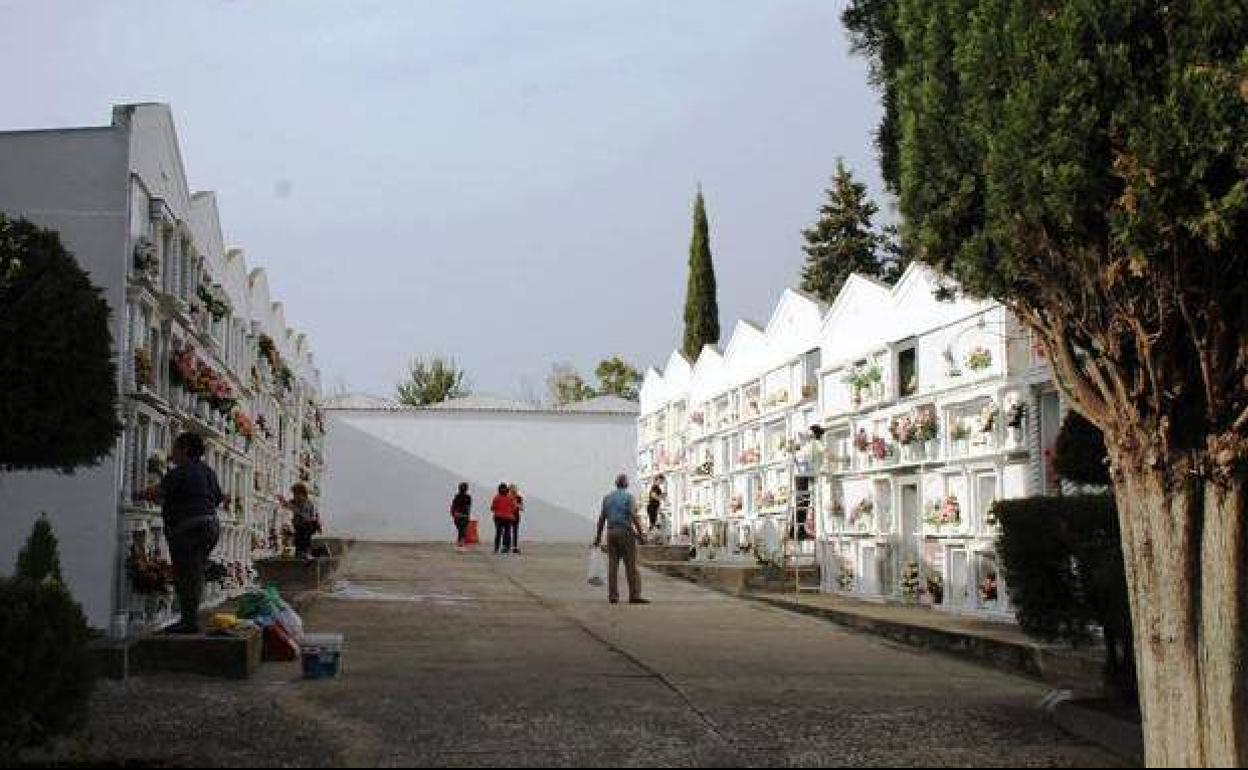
x=472, y=536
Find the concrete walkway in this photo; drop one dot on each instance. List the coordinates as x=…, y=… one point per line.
x=477, y=660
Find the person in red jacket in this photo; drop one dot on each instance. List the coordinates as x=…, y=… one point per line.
x=504, y=509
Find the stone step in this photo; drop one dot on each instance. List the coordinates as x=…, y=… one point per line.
x=292, y=576
x=658, y=553
x=225, y=657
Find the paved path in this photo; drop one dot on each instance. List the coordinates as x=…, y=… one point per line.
x=476, y=660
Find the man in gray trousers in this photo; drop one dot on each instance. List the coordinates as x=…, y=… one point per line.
x=619, y=515
x=190, y=494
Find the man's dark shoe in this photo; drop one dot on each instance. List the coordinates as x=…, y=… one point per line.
x=638, y=601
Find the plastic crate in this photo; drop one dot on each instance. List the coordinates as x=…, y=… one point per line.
x=322, y=655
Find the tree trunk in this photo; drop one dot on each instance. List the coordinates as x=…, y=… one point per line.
x=1186, y=551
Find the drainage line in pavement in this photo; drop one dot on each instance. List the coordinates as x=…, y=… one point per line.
x=705, y=718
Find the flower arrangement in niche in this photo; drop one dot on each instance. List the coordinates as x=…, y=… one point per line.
x=959, y=431
x=697, y=418
x=945, y=512
x=836, y=509
x=737, y=503
x=1015, y=412
x=213, y=300
x=143, y=367
x=149, y=574
x=862, y=380
x=988, y=588
x=244, y=424
x=979, y=359
x=988, y=418
x=145, y=260
x=879, y=448
x=861, y=511
x=925, y=424
x=902, y=429
x=847, y=580
x=157, y=464
x=183, y=368
x=862, y=442
x=911, y=581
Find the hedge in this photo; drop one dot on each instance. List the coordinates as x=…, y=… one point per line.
x=1063, y=565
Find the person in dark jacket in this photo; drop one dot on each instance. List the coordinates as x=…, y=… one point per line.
x=190, y=495
x=461, y=514
x=303, y=517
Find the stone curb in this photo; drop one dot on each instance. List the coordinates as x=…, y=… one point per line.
x=1120, y=737
x=1027, y=658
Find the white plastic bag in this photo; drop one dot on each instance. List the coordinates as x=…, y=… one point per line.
x=597, y=567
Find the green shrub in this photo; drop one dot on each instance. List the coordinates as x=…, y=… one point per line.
x=1062, y=562
x=45, y=665
x=45, y=668
x=39, y=559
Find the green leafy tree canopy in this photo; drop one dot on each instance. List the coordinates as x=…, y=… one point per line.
x=566, y=385
x=1085, y=163
x=58, y=375
x=619, y=378
x=432, y=381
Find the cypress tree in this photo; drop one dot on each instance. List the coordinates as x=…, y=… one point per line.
x=701, y=305
x=39, y=560
x=844, y=240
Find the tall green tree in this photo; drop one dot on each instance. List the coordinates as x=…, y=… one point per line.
x=844, y=240
x=433, y=380
x=1086, y=164
x=701, y=302
x=58, y=375
x=616, y=377
x=873, y=33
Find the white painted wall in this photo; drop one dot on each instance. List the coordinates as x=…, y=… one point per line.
x=391, y=473
x=74, y=182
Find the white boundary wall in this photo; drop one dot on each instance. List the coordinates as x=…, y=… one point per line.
x=391, y=473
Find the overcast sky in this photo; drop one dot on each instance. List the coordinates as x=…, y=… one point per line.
x=508, y=182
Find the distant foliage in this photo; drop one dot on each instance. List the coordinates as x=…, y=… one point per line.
x=58, y=375
x=616, y=377
x=566, y=385
x=432, y=381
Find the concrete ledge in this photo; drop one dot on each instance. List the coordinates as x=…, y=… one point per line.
x=1117, y=735
x=735, y=579
x=1006, y=649
x=226, y=657
x=292, y=576
x=648, y=554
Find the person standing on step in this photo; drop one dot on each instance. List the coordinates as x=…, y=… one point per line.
x=461, y=514
x=654, y=501
x=190, y=495
x=619, y=515
x=514, y=491
x=304, y=519
x=504, y=509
